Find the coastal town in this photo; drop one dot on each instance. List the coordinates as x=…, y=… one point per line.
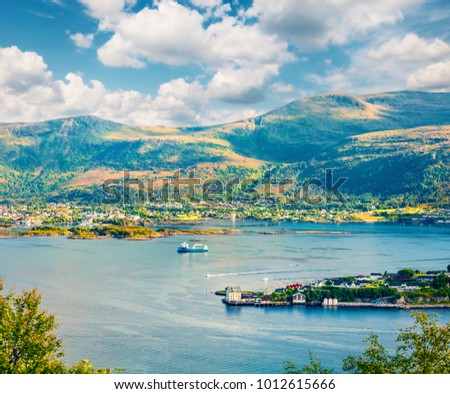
x=405, y=289
x=87, y=215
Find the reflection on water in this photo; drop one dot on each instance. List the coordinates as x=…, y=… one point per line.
x=143, y=307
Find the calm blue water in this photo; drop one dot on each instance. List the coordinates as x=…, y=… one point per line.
x=142, y=307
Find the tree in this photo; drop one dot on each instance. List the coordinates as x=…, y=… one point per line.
x=441, y=281
x=28, y=344
x=86, y=368
x=406, y=273
x=424, y=348
x=374, y=360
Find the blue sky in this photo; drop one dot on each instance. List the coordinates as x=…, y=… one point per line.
x=191, y=62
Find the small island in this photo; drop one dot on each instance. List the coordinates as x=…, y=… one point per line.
x=405, y=289
x=137, y=233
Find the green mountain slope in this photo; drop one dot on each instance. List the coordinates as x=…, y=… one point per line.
x=407, y=161
x=387, y=144
x=305, y=128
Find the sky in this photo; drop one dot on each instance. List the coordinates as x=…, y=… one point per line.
x=203, y=62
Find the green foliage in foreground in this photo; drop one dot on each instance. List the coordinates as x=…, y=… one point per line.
x=314, y=367
x=423, y=348
x=28, y=344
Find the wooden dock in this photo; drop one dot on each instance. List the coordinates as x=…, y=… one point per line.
x=255, y=304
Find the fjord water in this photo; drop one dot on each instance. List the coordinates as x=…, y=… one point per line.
x=143, y=307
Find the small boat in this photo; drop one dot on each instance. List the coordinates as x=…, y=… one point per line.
x=196, y=248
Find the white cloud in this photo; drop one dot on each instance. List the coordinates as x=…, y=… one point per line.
x=78, y=97
x=434, y=77
x=241, y=85
x=118, y=52
x=341, y=80
x=313, y=25
x=108, y=12
x=221, y=116
x=28, y=92
x=212, y=8
x=101, y=9
x=410, y=48
x=57, y=2
x=241, y=58
x=20, y=70
x=70, y=97
x=175, y=35
x=219, y=12
x=238, y=56
x=82, y=40
x=171, y=34
x=398, y=63
x=281, y=87
x=206, y=3
x=180, y=102
x=41, y=14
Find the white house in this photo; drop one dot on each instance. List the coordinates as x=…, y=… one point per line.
x=330, y=302
x=298, y=298
x=233, y=293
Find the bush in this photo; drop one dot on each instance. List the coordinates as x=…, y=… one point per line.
x=28, y=343
x=423, y=348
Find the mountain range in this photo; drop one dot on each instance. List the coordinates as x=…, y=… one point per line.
x=387, y=144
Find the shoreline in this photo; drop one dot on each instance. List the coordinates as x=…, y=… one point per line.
x=82, y=233
x=390, y=306
x=305, y=232
x=344, y=305
x=128, y=233
x=406, y=289
x=174, y=221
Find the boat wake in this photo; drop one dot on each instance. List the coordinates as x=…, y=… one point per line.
x=248, y=273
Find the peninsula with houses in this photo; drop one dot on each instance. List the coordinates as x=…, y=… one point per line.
x=405, y=289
